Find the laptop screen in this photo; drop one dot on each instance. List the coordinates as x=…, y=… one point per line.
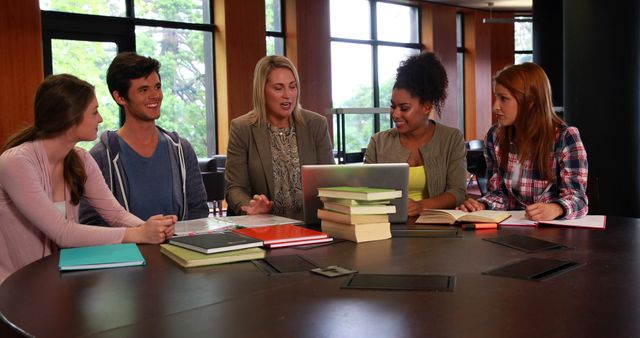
x=381, y=175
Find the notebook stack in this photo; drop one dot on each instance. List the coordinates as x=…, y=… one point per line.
x=212, y=248
x=358, y=214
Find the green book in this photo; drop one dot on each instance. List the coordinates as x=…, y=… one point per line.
x=359, y=193
x=100, y=257
x=189, y=258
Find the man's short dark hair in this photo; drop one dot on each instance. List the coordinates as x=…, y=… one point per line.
x=127, y=66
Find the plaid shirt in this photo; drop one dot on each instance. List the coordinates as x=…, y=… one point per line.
x=510, y=191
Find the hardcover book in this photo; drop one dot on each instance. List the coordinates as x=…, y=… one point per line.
x=339, y=217
x=348, y=201
x=189, y=258
x=360, y=209
x=100, y=257
x=281, y=233
x=357, y=232
x=446, y=216
x=216, y=242
x=359, y=193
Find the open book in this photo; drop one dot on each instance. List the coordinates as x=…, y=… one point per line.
x=518, y=218
x=447, y=216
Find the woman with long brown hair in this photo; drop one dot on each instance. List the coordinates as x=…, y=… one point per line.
x=43, y=176
x=535, y=162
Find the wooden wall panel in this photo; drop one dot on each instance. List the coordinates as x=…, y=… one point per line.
x=477, y=75
x=309, y=47
x=240, y=43
x=21, y=63
x=502, y=47
x=444, y=45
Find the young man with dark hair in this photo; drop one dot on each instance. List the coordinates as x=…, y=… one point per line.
x=149, y=170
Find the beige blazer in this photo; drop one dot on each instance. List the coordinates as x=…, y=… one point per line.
x=248, y=168
x=445, y=160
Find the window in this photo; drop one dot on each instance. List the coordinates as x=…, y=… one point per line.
x=275, y=27
x=460, y=69
x=523, y=31
x=368, y=40
x=82, y=37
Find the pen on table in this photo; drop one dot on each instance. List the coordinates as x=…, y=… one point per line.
x=479, y=226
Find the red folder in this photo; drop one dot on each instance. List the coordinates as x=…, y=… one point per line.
x=282, y=233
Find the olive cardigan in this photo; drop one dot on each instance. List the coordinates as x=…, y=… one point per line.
x=444, y=157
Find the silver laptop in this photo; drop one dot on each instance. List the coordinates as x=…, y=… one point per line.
x=383, y=175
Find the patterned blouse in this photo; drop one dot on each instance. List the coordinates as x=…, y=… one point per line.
x=286, y=171
x=522, y=184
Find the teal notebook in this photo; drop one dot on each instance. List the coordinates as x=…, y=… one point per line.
x=100, y=257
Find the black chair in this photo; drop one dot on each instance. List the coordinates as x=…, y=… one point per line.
x=214, y=185
x=593, y=194
x=476, y=165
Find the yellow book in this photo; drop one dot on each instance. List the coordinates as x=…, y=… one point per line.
x=446, y=216
x=360, y=209
x=358, y=233
x=339, y=217
x=189, y=258
x=359, y=193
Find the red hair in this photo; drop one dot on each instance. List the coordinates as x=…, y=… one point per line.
x=535, y=126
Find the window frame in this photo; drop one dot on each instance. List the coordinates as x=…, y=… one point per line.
x=375, y=43
x=121, y=30
x=281, y=34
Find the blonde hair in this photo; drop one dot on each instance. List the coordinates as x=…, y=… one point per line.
x=261, y=76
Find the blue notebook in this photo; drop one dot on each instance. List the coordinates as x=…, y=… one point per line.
x=100, y=257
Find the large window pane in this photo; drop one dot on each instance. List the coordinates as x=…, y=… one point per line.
x=187, y=82
x=358, y=131
x=89, y=61
x=273, y=17
x=352, y=86
x=275, y=45
x=351, y=78
x=350, y=19
x=523, y=34
x=102, y=7
x=192, y=11
x=523, y=57
x=389, y=59
x=397, y=23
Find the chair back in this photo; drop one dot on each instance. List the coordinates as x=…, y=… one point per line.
x=214, y=185
x=475, y=145
x=593, y=194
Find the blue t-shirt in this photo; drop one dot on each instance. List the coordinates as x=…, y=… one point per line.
x=150, y=180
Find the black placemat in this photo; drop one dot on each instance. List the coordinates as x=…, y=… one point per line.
x=535, y=269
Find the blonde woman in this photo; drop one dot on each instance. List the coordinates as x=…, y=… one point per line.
x=269, y=144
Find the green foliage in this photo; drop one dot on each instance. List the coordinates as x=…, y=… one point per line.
x=180, y=52
x=359, y=127
x=71, y=57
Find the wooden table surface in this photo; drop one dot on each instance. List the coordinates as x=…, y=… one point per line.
x=598, y=299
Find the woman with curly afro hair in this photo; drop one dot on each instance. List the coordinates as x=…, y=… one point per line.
x=435, y=153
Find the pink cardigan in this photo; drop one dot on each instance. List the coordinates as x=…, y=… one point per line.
x=30, y=224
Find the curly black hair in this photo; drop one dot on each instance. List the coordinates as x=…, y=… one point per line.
x=424, y=77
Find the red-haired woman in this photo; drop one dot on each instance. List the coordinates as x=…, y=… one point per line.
x=535, y=161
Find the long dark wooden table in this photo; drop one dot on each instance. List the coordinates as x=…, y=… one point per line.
x=599, y=299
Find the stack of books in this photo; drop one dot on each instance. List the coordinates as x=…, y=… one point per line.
x=212, y=248
x=358, y=214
